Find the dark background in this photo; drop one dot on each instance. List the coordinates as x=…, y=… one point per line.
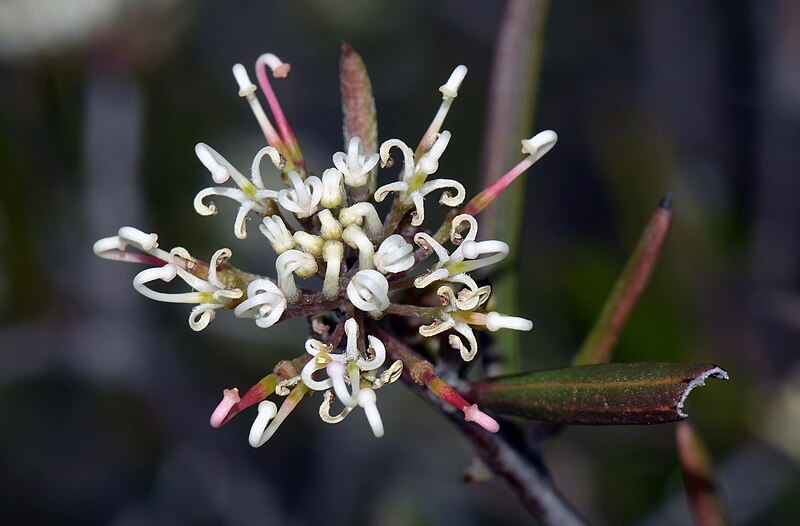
x=105, y=395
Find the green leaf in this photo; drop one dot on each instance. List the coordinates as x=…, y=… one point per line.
x=603, y=337
x=512, y=95
x=616, y=393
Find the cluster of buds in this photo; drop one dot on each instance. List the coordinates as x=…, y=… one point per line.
x=327, y=227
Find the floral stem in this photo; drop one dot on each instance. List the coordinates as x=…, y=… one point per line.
x=394, y=217
x=402, y=283
x=337, y=335
x=311, y=304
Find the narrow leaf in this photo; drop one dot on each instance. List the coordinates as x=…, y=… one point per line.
x=358, y=104
x=698, y=477
x=616, y=393
x=603, y=336
x=512, y=95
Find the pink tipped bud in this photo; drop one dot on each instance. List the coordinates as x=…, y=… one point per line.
x=473, y=414
x=230, y=397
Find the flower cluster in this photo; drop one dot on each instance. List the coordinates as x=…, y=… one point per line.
x=328, y=227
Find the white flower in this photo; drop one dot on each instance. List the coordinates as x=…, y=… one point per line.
x=394, y=255
x=362, y=214
x=290, y=263
x=429, y=162
x=265, y=302
x=332, y=190
x=355, y=166
x=413, y=188
x=496, y=321
x=274, y=229
x=332, y=254
x=449, y=92
x=330, y=228
x=348, y=368
x=369, y=291
x=538, y=145
x=470, y=254
x=250, y=194
x=210, y=295
x=248, y=90
x=348, y=365
x=461, y=320
x=333, y=219
x=367, y=400
x=304, y=196
x=114, y=247
x=355, y=237
x=445, y=322
x=310, y=243
x=259, y=433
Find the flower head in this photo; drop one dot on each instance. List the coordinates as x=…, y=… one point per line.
x=356, y=267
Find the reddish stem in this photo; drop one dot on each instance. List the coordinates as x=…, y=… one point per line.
x=266, y=386
x=284, y=129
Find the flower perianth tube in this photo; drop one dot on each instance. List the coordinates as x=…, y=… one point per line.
x=284, y=370
x=535, y=147
x=449, y=92
x=279, y=70
x=248, y=90
x=263, y=428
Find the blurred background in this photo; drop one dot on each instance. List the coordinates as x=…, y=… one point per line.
x=105, y=395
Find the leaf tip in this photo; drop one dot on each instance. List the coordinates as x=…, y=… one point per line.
x=666, y=201
x=699, y=381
